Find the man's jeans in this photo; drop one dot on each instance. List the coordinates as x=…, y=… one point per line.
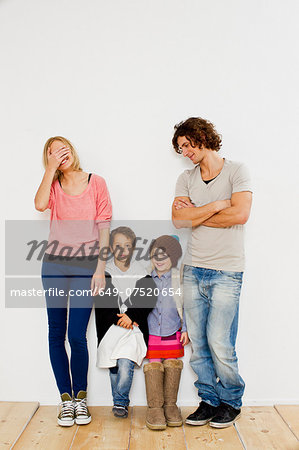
x=121, y=378
x=211, y=302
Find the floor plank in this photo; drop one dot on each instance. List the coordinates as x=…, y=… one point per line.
x=263, y=428
x=14, y=416
x=258, y=428
x=290, y=414
x=105, y=431
x=44, y=432
x=142, y=438
x=208, y=437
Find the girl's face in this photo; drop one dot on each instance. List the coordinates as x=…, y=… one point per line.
x=122, y=247
x=67, y=162
x=161, y=260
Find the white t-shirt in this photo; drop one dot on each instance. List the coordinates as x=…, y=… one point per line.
x=125, y=282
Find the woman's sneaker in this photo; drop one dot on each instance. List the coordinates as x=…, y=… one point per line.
x=66, y=416
x=82, y=415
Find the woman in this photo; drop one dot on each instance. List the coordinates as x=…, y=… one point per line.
x=73, y=264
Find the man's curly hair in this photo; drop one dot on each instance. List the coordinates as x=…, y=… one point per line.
x=199, y=132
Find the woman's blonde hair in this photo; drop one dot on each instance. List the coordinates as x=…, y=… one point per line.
x=76, y=162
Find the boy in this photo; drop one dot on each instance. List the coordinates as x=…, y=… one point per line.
x=121, y=312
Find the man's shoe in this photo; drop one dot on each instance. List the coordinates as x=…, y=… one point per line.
x=120, y=411
x=226, y=416
x=202, y=415
x=82, y=414
x=66, y=416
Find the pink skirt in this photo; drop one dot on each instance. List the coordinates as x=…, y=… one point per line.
x=165, y=347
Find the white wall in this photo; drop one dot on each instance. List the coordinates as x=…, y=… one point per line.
x=114, y=77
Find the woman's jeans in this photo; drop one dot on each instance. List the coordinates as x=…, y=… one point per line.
x=211, y=302
x=71, y=281
x=121, y=378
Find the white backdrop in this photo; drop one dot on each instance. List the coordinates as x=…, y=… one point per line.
x=114, y=77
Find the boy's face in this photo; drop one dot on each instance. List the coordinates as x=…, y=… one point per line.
x=161, y=260
x=122, y=247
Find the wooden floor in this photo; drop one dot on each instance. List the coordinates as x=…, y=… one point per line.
x=25, y=426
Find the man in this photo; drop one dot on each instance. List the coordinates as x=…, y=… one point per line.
x=214, y=199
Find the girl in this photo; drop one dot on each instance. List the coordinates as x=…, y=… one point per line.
x=167, y=337
x=121, y=317
x=80, y=217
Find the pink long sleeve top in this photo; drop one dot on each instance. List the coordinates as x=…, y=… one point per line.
x=76, y=219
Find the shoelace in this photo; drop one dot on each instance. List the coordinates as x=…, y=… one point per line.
x=81, y=407
x=67, y=409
